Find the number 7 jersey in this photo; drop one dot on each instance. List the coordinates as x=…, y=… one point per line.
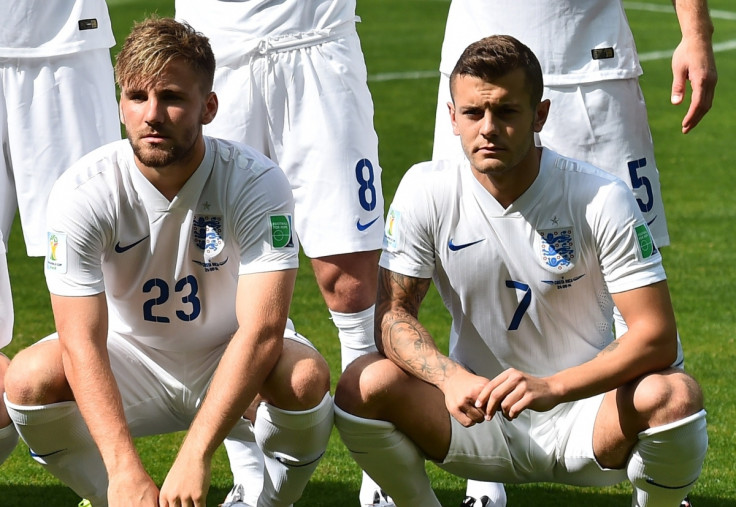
x=169, y=269
x=529, y=286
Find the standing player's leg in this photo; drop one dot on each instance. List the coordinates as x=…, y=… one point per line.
x=348, y=284
x=53, y=124
x=8, y=202
x=8, y=435
x=331, y=158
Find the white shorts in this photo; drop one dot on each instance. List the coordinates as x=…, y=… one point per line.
x=303, y=100
x=162, y=390
x=610, y=130
x=554, y=446
x=52, y=111
x=6, y=300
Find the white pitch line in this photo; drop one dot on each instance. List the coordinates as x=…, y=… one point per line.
x=641, y=6
x=661, y=55
x=643, y=57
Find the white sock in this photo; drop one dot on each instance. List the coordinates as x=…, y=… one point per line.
x=493, y=490
x=389, y=456
x=8, y=441
x=59, y=440
x=355, y=331
x=293, y=444
x=246, y=463
x=667, y=461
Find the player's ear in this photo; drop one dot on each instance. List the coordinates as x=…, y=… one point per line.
x=451, y=110
x=210, y=108
x=540, y=116
x=121, y=114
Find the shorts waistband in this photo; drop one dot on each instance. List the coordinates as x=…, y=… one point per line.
x=290, y=42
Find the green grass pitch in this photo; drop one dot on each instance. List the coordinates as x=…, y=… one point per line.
x=401, y=40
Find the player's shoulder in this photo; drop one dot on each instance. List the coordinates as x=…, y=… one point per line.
x=433, y=180
x=577, y=171
x=87, y=171
x=583, y=182
x=433, y=173
x=243, y=160
x=242, y=172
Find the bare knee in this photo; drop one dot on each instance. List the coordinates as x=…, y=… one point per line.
x=665, y=397
x=35, y=376
x=348, y=282
x=366, y=384
x=300, y=379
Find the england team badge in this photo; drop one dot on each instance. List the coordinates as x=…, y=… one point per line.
x=557, y=249
x=207, y=234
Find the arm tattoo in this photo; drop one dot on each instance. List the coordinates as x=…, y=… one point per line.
x=610, y=348
x=401, y=337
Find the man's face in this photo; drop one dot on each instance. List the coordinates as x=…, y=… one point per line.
x=164, y=118
x=495, y=121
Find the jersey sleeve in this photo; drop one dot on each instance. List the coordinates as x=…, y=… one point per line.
x=264, y=219
x=76, y=236
x=629, y=258
x=408, y=241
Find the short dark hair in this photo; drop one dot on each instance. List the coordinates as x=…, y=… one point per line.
x=494, y=57
x=156, y=42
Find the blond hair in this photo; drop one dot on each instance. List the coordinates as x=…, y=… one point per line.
x=154, y=43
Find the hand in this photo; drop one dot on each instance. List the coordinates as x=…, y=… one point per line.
x=514, y=391
x=133, y=490
x=187, y=483
x=461, y=390
x=693, y=61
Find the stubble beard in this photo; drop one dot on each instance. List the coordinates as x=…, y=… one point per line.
x=158, y=157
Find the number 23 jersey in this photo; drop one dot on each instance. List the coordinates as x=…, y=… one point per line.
x=169, y=269
x=528, y=286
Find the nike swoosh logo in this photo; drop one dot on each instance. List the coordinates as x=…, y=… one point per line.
x=653, y=483
x=455, y=247
x=120, y=249
x=652, y=220
x=34, y=455
x=295, y=464
x=362, y=227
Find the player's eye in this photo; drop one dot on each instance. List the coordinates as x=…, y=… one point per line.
x=136, y=96
x=473, y=113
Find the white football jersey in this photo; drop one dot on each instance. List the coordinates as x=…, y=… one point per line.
x=575, y=41
x=39, y=28
x=236, y=27
x=529, y=286
x=169, y=269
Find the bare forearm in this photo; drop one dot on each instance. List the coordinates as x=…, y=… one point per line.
x=694, y=19
x=649, y=345
x=97, y=395
x=400, y=335
x=237, y=380
x=82, y=326
x=408, y=344
x=621, y=362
